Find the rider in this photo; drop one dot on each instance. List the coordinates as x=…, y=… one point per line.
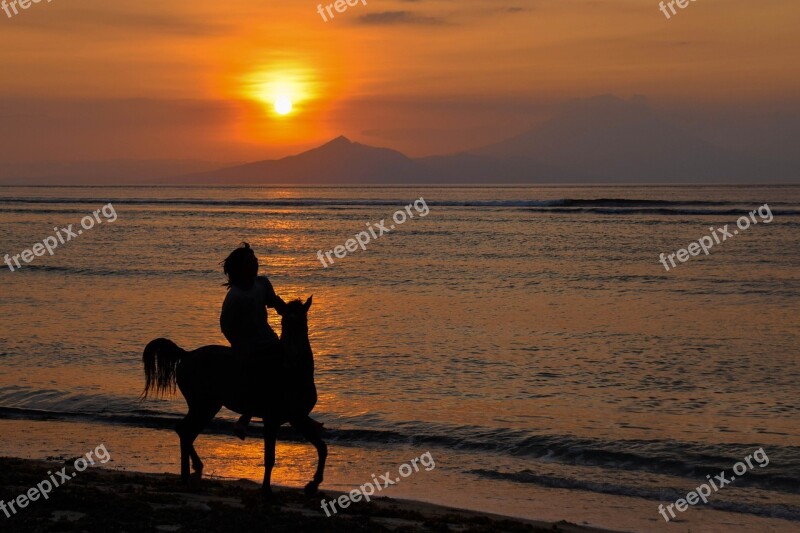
x=244, y=312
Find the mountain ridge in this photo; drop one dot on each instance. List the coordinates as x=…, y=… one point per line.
x=603, y=139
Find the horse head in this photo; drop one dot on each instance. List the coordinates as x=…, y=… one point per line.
x=294, y=330
x=294, y=318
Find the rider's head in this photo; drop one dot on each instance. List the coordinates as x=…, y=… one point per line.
x=241, y=267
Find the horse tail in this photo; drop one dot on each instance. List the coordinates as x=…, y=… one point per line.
x=161, y=358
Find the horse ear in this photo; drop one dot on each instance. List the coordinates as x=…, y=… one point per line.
x=307, y=305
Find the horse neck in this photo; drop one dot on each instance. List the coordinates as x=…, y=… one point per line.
x=300, y=346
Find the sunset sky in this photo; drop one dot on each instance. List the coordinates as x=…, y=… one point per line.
x=94, y=79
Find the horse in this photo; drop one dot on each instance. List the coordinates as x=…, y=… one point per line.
x=211, y=377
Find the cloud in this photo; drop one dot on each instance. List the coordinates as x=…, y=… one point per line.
x=104, y=19
x=389, y=18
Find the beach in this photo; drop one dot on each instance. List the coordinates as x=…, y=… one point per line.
x=528, y=338
x=435, y=266
x=106, y=500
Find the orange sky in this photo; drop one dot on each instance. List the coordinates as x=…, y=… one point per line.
x=95, y=79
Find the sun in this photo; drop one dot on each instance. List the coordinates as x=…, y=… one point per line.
x=283, y=105
x=283, y=92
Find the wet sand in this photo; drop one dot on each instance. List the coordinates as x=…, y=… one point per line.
x=101, y=499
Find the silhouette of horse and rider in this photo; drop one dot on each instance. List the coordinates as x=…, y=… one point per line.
x=260, y=374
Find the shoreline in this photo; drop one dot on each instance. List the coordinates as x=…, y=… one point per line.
x=102, y=499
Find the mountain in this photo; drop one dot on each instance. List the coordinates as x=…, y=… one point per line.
x=338, y=161
x=614, y=140
x=603, y=139
x=343, y=161
x=470, y=168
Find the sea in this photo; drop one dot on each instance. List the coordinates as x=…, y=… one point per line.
x=529, y=338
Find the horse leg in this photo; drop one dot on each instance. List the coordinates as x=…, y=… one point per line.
x=203, y=420
x=311, y=431
x=188, y=430
x=270, y=436
x=197, y=464
x=181, y=429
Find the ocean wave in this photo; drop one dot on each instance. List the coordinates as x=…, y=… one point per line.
x=732, y=213
x=94, y=271
x=690, y=460
x=648, y=492
x=563, y=203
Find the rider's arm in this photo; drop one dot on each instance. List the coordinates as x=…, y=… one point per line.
x=272, y=299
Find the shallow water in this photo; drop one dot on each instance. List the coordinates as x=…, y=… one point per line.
x=528, y=337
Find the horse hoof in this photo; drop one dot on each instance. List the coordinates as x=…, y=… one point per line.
x=312, y=488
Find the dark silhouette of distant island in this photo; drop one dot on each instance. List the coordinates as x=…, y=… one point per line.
x=598, y=140
x=603, y=139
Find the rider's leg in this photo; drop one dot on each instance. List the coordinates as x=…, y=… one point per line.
x=251, y=354
x=240, y=427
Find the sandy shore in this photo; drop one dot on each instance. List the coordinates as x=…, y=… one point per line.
x=100, y=499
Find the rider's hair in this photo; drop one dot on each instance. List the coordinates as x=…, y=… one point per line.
x=241, y=267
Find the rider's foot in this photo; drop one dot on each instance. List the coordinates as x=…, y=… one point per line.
x=318, y=428
x=240, y=430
